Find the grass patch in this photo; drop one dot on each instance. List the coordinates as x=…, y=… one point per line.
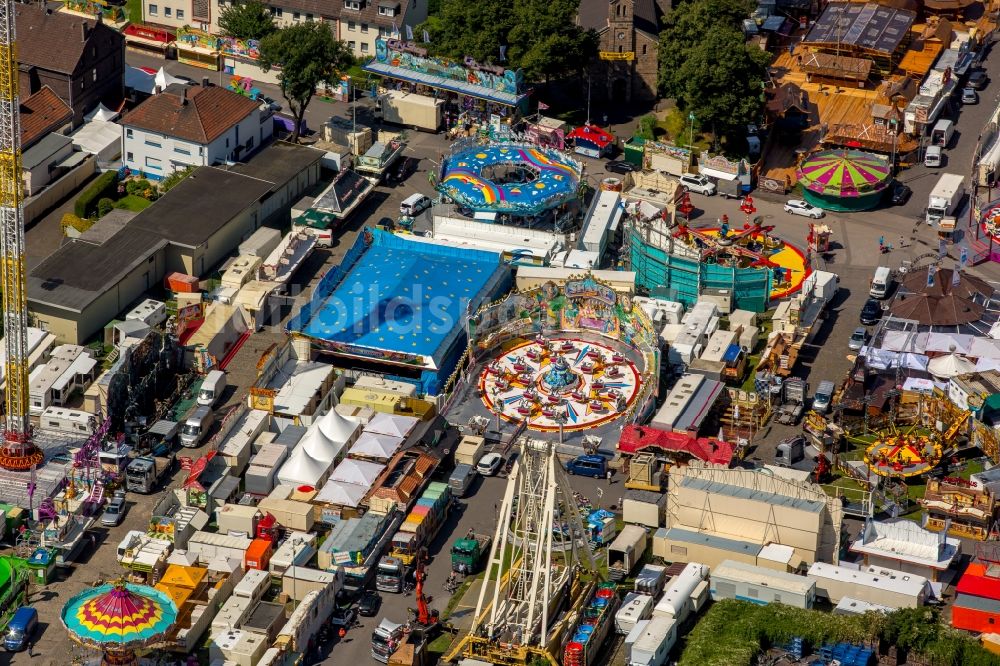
x=133, y=10
x=134, y=203
x=441, y=644
x=457, y=597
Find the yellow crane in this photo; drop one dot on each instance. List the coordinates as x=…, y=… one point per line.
x=17, y=452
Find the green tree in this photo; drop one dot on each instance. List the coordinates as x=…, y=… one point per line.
x=707, y=67
x=474, y=29
x=308, y=55
x=247, y=20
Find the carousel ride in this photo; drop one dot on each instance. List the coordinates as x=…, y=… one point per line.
x=903, y=454
x=119, y=619
x=753, y=246
x=553, y=383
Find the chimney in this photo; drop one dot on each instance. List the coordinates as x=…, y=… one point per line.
x=204, y=82
x=86, y=30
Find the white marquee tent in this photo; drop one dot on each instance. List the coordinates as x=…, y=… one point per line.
x=301, y=469
x=950, y=365
x=392, y=424
x=376, y=445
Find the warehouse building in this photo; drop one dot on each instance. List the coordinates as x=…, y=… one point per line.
x=716, y=514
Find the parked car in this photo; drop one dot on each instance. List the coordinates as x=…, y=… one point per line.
x=489, y=464
x=978, y=79
x=871, y=312
x=799, y=207
x=900, y=193
x=343, y=617
x=115, y=511
x=269, y=103
x=620, y=166
x=858, y=339
x=589, y=465
x=21, y=629
x=969, y=96
x=698, y=183
x=403, y=170
x=369, y=603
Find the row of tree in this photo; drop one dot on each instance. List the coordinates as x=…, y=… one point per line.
x=705, y=63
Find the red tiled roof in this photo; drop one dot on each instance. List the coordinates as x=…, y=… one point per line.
x=636, y=438
x=593, y=134
x=193, y=113
x=42, y=113
x=975, y=582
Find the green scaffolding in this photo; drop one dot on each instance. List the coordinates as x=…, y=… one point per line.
x=667, y=276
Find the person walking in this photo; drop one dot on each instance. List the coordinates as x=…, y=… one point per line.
x=609, y=477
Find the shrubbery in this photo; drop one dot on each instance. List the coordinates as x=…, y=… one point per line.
x=103, y=186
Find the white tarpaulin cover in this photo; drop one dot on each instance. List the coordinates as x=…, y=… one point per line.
x=359, y=472
x=337, y=427
x=392, y=424
x=376, y=445
x=984, y=364
x=985, y=348
x=948, y=342
x=164, y=79
x=883, y=359
x=301, y=469
x=341, y=493
x=918, y=384
x=101, y=113
x=950, y=365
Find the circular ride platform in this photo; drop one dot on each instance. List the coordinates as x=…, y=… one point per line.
x=510, y=178
x=548, y=381
x=903, y=455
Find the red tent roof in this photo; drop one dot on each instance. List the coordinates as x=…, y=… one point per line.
x=976, y=583
x=593, y=134
x=708, y=449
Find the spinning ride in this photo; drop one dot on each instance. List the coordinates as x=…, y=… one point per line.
x=119, y=619
x=553, y=382
x=844, y=179
x=903, y=455
x=753, y=246
x=515, y=179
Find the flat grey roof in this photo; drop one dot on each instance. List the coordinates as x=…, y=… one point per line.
x=77, y=273
x=977, y=603
x=279, y=163
x=713, y=541
x=42, y=150
x=200, y=205
x=699, y=406
x=739, y=492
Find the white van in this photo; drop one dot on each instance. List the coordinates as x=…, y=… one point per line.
x=881, y=282
x=414, y=204
x=212, y=387
x=932, y=158
x=196, y=426
x=941, y=134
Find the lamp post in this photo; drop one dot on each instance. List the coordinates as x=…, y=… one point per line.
x=691, y=120
x=895, y=135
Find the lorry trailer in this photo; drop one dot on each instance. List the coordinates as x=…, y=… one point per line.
x=144, y=473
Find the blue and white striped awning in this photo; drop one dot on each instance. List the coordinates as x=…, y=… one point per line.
x=460, y=87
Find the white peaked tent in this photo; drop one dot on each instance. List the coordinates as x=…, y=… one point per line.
x=337, y=427
x=392, y=424
x=358, y=472
x=102, y=113
x=376, y=445
x=163, y=79
x=319, y=446
x=950, y=365
x=342, y=494
x=301, y=469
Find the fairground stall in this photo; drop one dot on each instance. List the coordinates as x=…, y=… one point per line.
x=472, y=96
x=145, y=38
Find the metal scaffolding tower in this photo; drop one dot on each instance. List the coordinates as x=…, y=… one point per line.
x=539, y=548
x=18, y=452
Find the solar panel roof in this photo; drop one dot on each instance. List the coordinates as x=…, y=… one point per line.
x=868, y=26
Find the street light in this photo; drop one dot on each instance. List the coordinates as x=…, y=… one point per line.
x=691, y=120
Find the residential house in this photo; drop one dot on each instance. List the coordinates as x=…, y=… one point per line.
x=80, y=60
x=629, y=44
x=364, y=21
x=192, y=126
x=290, y=12
x=43, y=113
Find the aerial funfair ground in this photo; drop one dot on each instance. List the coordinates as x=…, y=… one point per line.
x=844, y=180
x=520, y=180
x=573, y=357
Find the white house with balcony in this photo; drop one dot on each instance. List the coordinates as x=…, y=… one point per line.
x=192, y=125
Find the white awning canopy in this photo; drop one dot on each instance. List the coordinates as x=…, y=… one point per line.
x=376, y=445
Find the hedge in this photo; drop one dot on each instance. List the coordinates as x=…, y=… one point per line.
x=106, y=185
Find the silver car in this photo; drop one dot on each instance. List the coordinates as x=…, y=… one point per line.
x=858, y=339
x=115, y=512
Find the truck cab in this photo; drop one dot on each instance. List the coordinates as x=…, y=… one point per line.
x=385, y=639
x=390, y=575
x=467, y=553
x=404, y=546
x=196, y=426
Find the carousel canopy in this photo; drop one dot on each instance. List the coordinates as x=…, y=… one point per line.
x=951, y=365
x=844, y=173
x=122, y=616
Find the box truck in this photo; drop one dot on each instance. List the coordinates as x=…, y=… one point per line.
x=944, y=198
x=410, y=110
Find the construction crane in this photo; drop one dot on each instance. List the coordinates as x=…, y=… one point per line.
x=18, y=451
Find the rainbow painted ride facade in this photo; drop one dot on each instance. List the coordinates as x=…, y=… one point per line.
x=591, y=630
x=519, y=180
